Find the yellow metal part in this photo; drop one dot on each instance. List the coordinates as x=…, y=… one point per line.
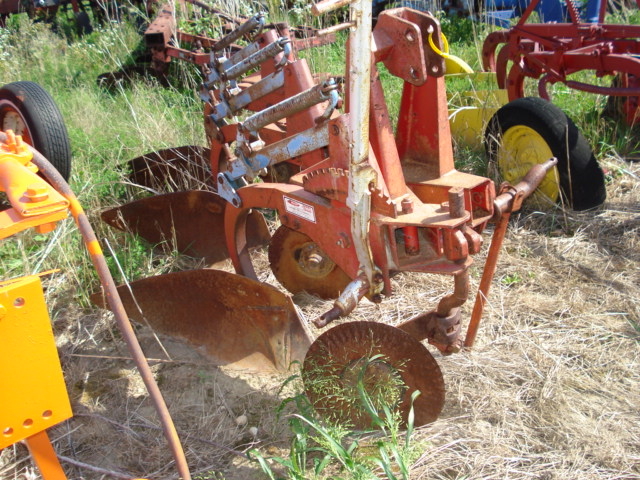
x=471, y=108
x=33, y=396
x=453, y=64
x=522, y=148
x=34, y=203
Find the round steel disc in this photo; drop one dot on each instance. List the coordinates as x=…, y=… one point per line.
x=390, y=362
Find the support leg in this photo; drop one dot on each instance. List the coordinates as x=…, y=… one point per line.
x=45, y=457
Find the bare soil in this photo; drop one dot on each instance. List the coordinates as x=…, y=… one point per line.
x=550, y=391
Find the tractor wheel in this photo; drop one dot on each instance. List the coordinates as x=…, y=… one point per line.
x=28, y=110
x=529, y=131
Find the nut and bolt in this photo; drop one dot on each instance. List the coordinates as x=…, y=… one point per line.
x=37, y=192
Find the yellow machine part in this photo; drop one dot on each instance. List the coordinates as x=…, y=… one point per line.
x=471, y=110
x=34, y=202
x=33, y=396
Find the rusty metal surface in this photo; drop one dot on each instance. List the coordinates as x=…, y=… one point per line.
x=332, y=365
x=235, y=321
x=172, y=169
x=402, y=43
x=189, y=222
x=356, y=202
x=299, y=264
x=509, y=200
x=162, y=28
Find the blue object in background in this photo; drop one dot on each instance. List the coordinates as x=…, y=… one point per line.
x=501, y=12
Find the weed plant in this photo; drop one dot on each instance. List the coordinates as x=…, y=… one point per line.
x=326, y=447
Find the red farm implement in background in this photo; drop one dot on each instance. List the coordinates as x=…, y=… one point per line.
x=553, y=52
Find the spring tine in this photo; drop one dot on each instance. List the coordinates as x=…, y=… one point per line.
x=316, y=94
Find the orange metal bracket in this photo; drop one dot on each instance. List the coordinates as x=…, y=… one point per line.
x=29, y=364
x=34, y=202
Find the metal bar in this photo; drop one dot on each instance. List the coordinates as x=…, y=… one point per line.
x=257, y=21
x=361, y=175
x=383, y=141
x=527, y=12
x=487, y=278
x=458, y=297
x=336, y=28
x=329, y=5
x=205, y=42
x=256, y=59
x=244, y=53
x=602, y=10
x=286, y=108
x=161, y=30
x=597, y=89
x=507, y=202
x=267, y=85
x=189, y=56
x=291, y=147
x=45, y=456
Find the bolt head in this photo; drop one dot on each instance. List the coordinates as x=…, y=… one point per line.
x=37, y=192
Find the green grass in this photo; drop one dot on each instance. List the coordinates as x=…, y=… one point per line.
x=323, y=448
x=106, y=129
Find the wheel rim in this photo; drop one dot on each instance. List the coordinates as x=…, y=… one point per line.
x=11, y=119
x=300, y=264
x=522, y=148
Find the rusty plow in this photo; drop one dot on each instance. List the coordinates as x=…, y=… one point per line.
x=354, y=204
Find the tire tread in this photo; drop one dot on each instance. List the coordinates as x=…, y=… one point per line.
x=45, y=122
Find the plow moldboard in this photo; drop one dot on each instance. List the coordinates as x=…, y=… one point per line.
x=235, y=321
x=190, y=222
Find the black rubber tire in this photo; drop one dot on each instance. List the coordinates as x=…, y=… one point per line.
x=581, y=178
x=83, y=23
x=42, y=119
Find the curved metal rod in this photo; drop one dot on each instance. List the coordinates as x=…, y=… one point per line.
x=115, y=303
x=458, y=297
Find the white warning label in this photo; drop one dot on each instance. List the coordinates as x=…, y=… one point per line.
x=299, y=209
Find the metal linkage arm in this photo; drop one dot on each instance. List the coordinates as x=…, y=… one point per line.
x=283, y=44
x=255, y=22
x=313, y=96
x=253, y=156
x=229, y=105
x=225, y=70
